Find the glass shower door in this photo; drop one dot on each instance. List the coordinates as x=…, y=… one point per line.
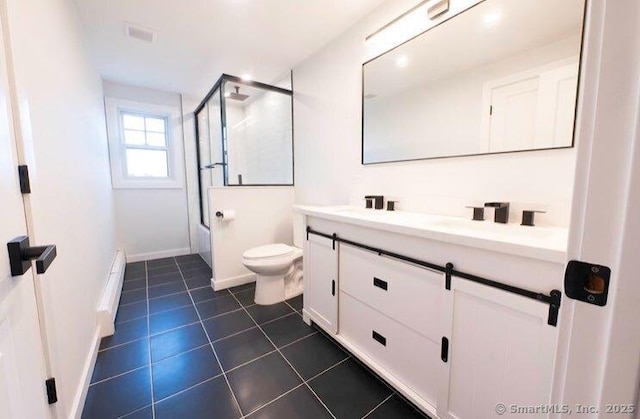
x=210, y=155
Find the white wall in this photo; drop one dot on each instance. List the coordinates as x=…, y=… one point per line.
x=327, y=126
x=263, y=216
x=152, y=223
x=62, y=115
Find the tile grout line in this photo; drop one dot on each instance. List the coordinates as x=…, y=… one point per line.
x=117, y=375
x=298, y=340
x=329, y=369
x=215, y=354
x=135, y=411
x=207, y=344
x=161, y=296
x=293, y=308
x=299, y=385
x=177, y=393
x=287, y=361
x=148, y=365
x=244, y=364
x=178, y=327
x=153, y=409
x=379, y=404
x=199, y=347
x=274, y=400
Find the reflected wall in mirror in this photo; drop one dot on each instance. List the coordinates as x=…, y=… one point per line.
x=502, y=76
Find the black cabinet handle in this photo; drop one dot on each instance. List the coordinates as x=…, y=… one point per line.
x=377, y=282
x=21, y=255
x=444, y=349
x=379, y=338
x=333, y=287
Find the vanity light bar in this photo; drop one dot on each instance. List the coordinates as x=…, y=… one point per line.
x=553, y=299
x=396, y=20
x=433, y=12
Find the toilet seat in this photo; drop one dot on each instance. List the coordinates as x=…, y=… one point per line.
x=268, y=251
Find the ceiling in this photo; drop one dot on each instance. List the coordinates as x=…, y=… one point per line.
x=198, y=40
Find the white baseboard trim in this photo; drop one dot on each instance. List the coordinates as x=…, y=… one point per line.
x=108, y=306
x=158, y=255
x=221, y=284
x=87, y=372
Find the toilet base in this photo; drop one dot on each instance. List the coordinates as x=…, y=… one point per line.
x=269, y=289
x=273, y=289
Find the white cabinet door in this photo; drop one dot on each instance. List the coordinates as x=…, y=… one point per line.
x=22, y=372
x=501, y=353
x=321, y=282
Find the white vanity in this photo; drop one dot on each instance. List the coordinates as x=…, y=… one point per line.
x=457, y=315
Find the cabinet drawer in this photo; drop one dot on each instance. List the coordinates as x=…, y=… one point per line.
x=404, y=292
x=411, y=358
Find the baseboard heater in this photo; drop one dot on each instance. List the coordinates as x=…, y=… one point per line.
x=553, y=299
x=108, y=306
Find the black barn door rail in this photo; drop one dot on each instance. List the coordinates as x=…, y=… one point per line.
x=553, y=299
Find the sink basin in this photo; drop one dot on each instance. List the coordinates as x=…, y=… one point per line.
x=497, y=229
x=510, y=238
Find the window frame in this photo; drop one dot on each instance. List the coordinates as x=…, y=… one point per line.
x=115, y=109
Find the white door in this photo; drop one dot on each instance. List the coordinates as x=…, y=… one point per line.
x=556, y=107
x=597, y=363
x=321, y=278
x=513, y=115
x=22, y=372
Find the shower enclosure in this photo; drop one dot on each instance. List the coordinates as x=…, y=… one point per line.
x=244, y=132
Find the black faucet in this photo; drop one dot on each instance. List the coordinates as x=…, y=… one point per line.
x=378, y=201
x=478, y=213
x=502, y=211
x=527, y=217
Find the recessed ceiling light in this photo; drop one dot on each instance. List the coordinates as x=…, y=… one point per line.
x=139, y=32
x=246, y=77
x=227, y=94
x=402, y=61
x=492, y=18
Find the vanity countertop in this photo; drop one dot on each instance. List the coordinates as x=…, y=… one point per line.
x=543, y=243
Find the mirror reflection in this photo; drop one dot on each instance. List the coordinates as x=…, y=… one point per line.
x=500, y=77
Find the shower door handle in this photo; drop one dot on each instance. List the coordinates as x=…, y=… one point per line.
x=212, y=166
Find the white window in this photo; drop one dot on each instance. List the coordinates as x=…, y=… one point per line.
x=145, y=151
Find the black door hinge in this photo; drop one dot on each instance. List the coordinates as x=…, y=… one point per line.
x=52, y=392
x=23, y=175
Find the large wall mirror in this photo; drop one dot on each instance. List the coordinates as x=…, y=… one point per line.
x=500, y=77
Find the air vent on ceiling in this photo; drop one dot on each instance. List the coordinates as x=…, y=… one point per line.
x=139, y=32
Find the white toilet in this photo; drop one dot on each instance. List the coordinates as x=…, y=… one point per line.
x=278, y=269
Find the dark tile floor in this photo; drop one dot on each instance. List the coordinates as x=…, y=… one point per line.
x=182, y=350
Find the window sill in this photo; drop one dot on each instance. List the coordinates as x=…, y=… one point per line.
x=146, y=184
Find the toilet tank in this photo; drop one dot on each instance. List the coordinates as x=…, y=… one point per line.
x=298, y=229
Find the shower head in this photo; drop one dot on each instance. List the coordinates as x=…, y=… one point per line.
x=237, y=95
